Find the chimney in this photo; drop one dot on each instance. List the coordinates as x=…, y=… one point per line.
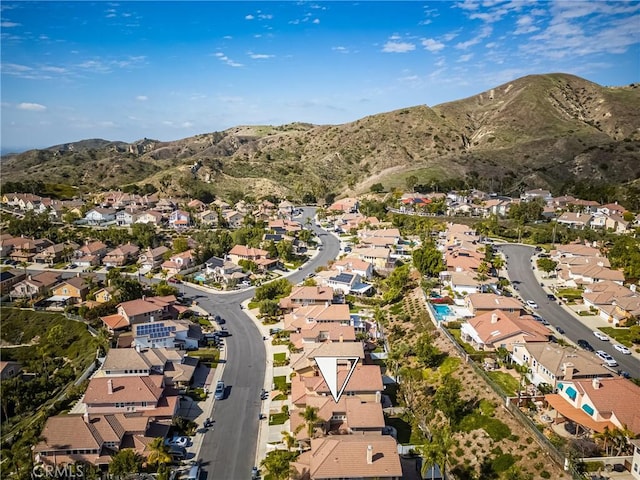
x=596, y=383
x=568, y=371
x=341, y=338
x=633, y=287
x=369, y=455
x=494, y=318
x=378, y=396
x=85, y=417
x=110, y=387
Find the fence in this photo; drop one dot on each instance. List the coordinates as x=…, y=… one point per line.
x=540, y=438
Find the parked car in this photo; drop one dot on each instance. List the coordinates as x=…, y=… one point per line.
x=255, y=473
x=585, y=345
x=600, y=336
x=608, y=359
x=622, y=349
x=219, y=393
x=177, y=441
x=560, y=330
x=551, y=297
x=532, y=304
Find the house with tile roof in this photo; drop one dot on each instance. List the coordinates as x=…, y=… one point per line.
x=90, y=254
x=322, y=332
x=145, y=395
x=355, y=265
x=301, y=296
x=362, y=457
x=142, y=310
x=479, y=303
x=10, y=278
x=551, y=363
x=94, y=439
x=499, y=329
x=55, y=253
x=34, y=286
x=312, y=314
x=73, y=290
x=100, y=216
x=347, y=205
x=379, y=257
x=598, y=404
x=180, y=334
x=179, y=262
x=152, y=257
x=121, y=255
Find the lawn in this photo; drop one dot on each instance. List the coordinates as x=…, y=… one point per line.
x=279, y=357
x=281, y=383
x=457, y=335
x=506, y=381
x=209, y=356
x=620, y=335
x=278, y=418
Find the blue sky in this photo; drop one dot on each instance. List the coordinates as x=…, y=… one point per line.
x=168, y=70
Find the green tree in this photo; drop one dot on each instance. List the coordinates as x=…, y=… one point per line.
x=311, y=419
x=285, y=250
x=411, y=182
x=269, y=308
x=447, y=399
x=288, y=439
x=377, y=188
x=158, y=452
x=277, y=463
x=428, y=260
x=547, y=265
x=126, y=461
x=426, y=351
x=180, y=244
x=144, y=234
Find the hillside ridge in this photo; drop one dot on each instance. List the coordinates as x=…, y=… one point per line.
x=535, y=131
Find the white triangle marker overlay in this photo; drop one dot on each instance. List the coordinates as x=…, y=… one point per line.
x=329, y=369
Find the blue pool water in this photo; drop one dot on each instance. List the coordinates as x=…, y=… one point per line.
x=442, y=311
x=199, y=278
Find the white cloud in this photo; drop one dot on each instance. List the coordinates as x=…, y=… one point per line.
x=52, y=69
x=316, y=21
x=484, y=33
x=468, y=5
x=186, y=124
x=142, y=98
x=32, y=107
x=465, y=58
x=249, y=17
x=260, y=56
x=7, y=24
x=223, y=58
x=340, y=49
x=525, y=25
x=432, y=45
x=398, y=47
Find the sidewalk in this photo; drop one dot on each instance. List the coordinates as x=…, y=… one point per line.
x=593, y=322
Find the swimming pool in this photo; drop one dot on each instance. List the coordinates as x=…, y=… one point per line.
x=200, y=278
x=442, y=312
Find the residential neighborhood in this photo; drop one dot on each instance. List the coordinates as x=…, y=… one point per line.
x=140, y=287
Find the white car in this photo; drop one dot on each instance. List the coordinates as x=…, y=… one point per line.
x=608, y=359
x=622, y=349
x=600, y=336
x=177, y=442
x=532, y=304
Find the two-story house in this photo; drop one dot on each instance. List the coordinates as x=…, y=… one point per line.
x=99, y=216
x=178, y=262
x=71, y=290
x=90, y=254
x=179, y=219
x=152, y=257
x=121, y=255
x=34, y=286
x=302, y=296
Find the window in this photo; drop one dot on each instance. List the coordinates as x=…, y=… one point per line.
x=588, y=409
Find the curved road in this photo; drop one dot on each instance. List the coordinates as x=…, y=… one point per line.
x=519, y=268
x=228, y=450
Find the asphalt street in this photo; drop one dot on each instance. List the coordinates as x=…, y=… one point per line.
x=229, y=448
x=520, y=270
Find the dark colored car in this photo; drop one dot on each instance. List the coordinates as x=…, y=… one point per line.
x=560, y=330
x=551, y=297
x=586, y=345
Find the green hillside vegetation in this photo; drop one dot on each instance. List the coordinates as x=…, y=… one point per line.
x=549, y=131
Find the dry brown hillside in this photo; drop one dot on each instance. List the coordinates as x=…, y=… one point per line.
x=536, y=131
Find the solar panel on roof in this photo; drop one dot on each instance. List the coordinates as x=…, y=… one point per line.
x=343, y=277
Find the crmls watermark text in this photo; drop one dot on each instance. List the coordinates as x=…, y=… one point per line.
x=62, y=471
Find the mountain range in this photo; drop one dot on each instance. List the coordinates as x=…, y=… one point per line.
x=539, y=131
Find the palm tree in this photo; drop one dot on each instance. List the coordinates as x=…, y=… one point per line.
x=288, y=439
x=311, y=418
x=604, y=437
x=159, y=453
